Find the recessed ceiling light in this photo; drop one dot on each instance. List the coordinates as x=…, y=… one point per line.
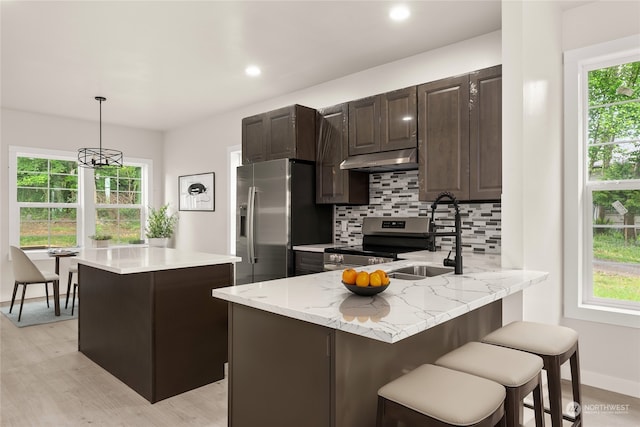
x=252, y=70
x=399, y=13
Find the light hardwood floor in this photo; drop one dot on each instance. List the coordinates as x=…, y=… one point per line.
x=45, y=381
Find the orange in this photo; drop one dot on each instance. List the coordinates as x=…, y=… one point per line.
x=362, y=279
x=375, y=279
x=349, y=276
x=383, y=277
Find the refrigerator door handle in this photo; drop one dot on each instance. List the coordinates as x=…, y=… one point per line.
x=251, y=248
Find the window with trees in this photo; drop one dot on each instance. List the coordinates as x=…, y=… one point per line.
x=612, y=183
x=47, y=201
x=601, y=256
x=53, y=203
x=119, y=203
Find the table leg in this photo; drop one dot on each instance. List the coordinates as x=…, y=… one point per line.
x=56, y=289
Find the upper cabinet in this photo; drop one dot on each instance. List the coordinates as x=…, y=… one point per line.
x=485, y=134
x=460, y=136
x=334, y=185
x=383, y=122
x=288, y=132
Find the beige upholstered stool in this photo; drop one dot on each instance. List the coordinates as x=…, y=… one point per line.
x=517, y=371
x=435, y=396
x=555, y=345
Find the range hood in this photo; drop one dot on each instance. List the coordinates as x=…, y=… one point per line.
x=397, y=160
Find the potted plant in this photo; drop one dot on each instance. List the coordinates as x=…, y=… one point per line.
x=160, y=226
x=100, y=240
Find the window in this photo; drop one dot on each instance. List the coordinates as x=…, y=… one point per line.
x=47, y=201
x=602, y=183
x=56, y=204
x=119, y=203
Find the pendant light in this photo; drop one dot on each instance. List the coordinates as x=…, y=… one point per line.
x=99, y=157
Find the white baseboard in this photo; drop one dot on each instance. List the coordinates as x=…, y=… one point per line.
x=605, y=382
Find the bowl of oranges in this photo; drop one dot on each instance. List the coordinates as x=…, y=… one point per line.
x=364, y=283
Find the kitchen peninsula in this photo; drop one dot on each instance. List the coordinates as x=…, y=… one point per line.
x=305, y=351
x=147, y=316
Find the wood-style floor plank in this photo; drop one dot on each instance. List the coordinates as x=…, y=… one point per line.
x=45, y=381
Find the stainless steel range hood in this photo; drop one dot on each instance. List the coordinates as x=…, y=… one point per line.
x=397, y=160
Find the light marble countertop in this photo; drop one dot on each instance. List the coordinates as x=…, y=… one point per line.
x=405, y=308
x=127, y=260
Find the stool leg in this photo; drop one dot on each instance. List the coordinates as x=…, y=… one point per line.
x=575, y=383
x=380, y=416
x=46, y=290
x=538, y=404
x=552, y=366
x=512, y=408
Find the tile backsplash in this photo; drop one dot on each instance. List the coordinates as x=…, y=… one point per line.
x=396, y=194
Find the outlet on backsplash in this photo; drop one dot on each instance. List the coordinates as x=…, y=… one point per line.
x=396, y=194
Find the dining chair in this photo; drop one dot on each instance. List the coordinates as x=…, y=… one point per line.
x=26, y=273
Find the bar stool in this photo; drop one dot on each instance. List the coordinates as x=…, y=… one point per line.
x=517, y=371
x=433, y=396
x=555, y=345
x=73, y=269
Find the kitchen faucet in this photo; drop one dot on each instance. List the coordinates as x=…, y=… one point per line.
x=456, y=263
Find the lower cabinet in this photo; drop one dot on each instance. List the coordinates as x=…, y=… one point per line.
x=280, y=371
x=309, y=262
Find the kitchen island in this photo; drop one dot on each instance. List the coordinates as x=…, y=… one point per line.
x=146, y=315
x=305, y=351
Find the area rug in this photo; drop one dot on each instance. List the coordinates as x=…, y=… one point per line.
x=37, y=313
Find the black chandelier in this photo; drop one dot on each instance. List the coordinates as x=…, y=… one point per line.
x=99, y=157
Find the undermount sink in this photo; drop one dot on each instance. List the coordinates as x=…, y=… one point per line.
x=418, y=272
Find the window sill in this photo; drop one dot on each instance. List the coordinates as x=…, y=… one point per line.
x=603, y=314
x=43, y=254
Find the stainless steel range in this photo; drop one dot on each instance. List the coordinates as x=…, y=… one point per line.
x=383, y=239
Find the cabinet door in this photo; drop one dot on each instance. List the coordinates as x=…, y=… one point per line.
x=398, y=125
x=309, y=262
x=334, y=185
x=281, y=133
x=485, y=141
x=443, y=129
x=364, y=126
x=253, y=139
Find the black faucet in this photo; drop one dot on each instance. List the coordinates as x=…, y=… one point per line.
x=456, y=263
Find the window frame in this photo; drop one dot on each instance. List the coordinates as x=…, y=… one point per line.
x=86, y=206
x=577, y=194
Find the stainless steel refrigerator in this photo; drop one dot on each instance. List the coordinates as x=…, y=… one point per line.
x=276, y=210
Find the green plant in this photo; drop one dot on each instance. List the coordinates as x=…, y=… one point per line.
x=160, y=224
x=100, y=237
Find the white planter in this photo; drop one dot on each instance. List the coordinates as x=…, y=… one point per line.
x=158, y=242
x=101, y=243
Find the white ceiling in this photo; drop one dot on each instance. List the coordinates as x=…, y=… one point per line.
x=164, y=64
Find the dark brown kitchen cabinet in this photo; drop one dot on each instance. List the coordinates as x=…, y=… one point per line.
x=308, y=262
x=460, y=136
x=383, y=122
x=288, y=132
x=334, y=185
x=485, y=138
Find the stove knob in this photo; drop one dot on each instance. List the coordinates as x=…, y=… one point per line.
x=341, y=259
x=333, y=257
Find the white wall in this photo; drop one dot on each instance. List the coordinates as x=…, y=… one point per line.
x=202, y=147
x=534, y=36
x=57, y=133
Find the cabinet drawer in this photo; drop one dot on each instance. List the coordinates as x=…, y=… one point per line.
x=309, y=262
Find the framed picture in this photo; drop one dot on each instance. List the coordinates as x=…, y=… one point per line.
x=197, y=192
